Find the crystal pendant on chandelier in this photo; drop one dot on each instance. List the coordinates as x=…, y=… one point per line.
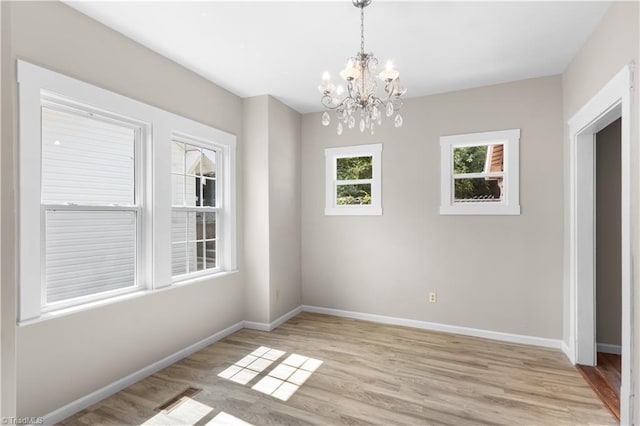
x=360, y=96
x=398, y=121
x=326, y=119
x=389, y=109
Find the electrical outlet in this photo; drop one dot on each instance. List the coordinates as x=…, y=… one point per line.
x=433, y=297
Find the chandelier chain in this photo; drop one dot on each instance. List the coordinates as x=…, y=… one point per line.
x=362, y=30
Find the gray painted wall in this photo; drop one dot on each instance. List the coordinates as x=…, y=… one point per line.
x=500, y=273
x=284, y=207
x=272, y=200
x=256, y=193
x=63, y=359
x=608, y=241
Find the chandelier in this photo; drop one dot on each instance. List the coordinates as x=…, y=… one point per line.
x=360, y=100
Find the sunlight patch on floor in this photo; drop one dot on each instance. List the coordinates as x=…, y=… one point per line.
x=251, y=365
x=282, y=381
x=186, y=412
x=226, y=419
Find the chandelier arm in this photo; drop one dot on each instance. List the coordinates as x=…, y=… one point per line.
x=328, y=102
x=397, y=103
x=388, y=88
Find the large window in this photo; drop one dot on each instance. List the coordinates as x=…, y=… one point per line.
x=195, y=209
x=116, y=197
x=480, y=173
x=353, y=180
x=90, y=204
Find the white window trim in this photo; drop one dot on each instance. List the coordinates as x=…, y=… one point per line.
x=331, y=155
x=34, y=82
x=510, y=205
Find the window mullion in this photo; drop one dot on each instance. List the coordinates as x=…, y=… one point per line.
x=354, y=181
x=206, y=209
x=479, y=175
x=80, y=207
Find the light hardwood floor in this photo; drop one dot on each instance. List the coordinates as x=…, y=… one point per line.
x=371, y=374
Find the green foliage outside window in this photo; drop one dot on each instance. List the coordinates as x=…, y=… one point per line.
x=353, y=168
x=354, y=194
x=471, y=159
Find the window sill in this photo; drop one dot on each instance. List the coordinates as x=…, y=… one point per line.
x=45, y=316
x=353, y=211
x=199, y=278
x=133, y=295
x=481, y=210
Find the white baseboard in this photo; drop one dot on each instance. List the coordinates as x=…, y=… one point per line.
x=263, y=326
x=567, y=351
x=88, y=400
x=609, y=349
x=487, y=334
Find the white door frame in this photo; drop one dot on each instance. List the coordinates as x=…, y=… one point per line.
x=613, y=101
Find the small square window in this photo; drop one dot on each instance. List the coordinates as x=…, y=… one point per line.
x=353, y=180
x=480, y=173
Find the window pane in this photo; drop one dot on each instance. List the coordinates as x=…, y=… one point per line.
x=192, y=191
x=192, y=226
x=192, y=160
x=177, y=157
x=209, y=192
x=351, y=168
x=177, y=196
x=192, y=256
x=200, y=255
x=478, y=159
x=86, y=160
x=179, y=227
x=89, y=252
x=210, y=226
x=353, y=194
x=199, y=226
x=179, y=259
x=211, y=254
x=208, y=163
x=478, y=190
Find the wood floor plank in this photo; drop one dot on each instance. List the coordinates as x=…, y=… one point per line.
x=372, y=374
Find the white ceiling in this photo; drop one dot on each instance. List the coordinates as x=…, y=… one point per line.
x=282, y=48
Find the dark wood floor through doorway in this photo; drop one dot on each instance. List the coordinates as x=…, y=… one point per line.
x=605, y=379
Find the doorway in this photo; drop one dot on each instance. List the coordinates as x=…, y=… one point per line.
x=605, y=376
x=611, y=103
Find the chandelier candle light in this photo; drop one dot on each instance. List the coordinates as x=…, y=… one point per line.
x=360, y=98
